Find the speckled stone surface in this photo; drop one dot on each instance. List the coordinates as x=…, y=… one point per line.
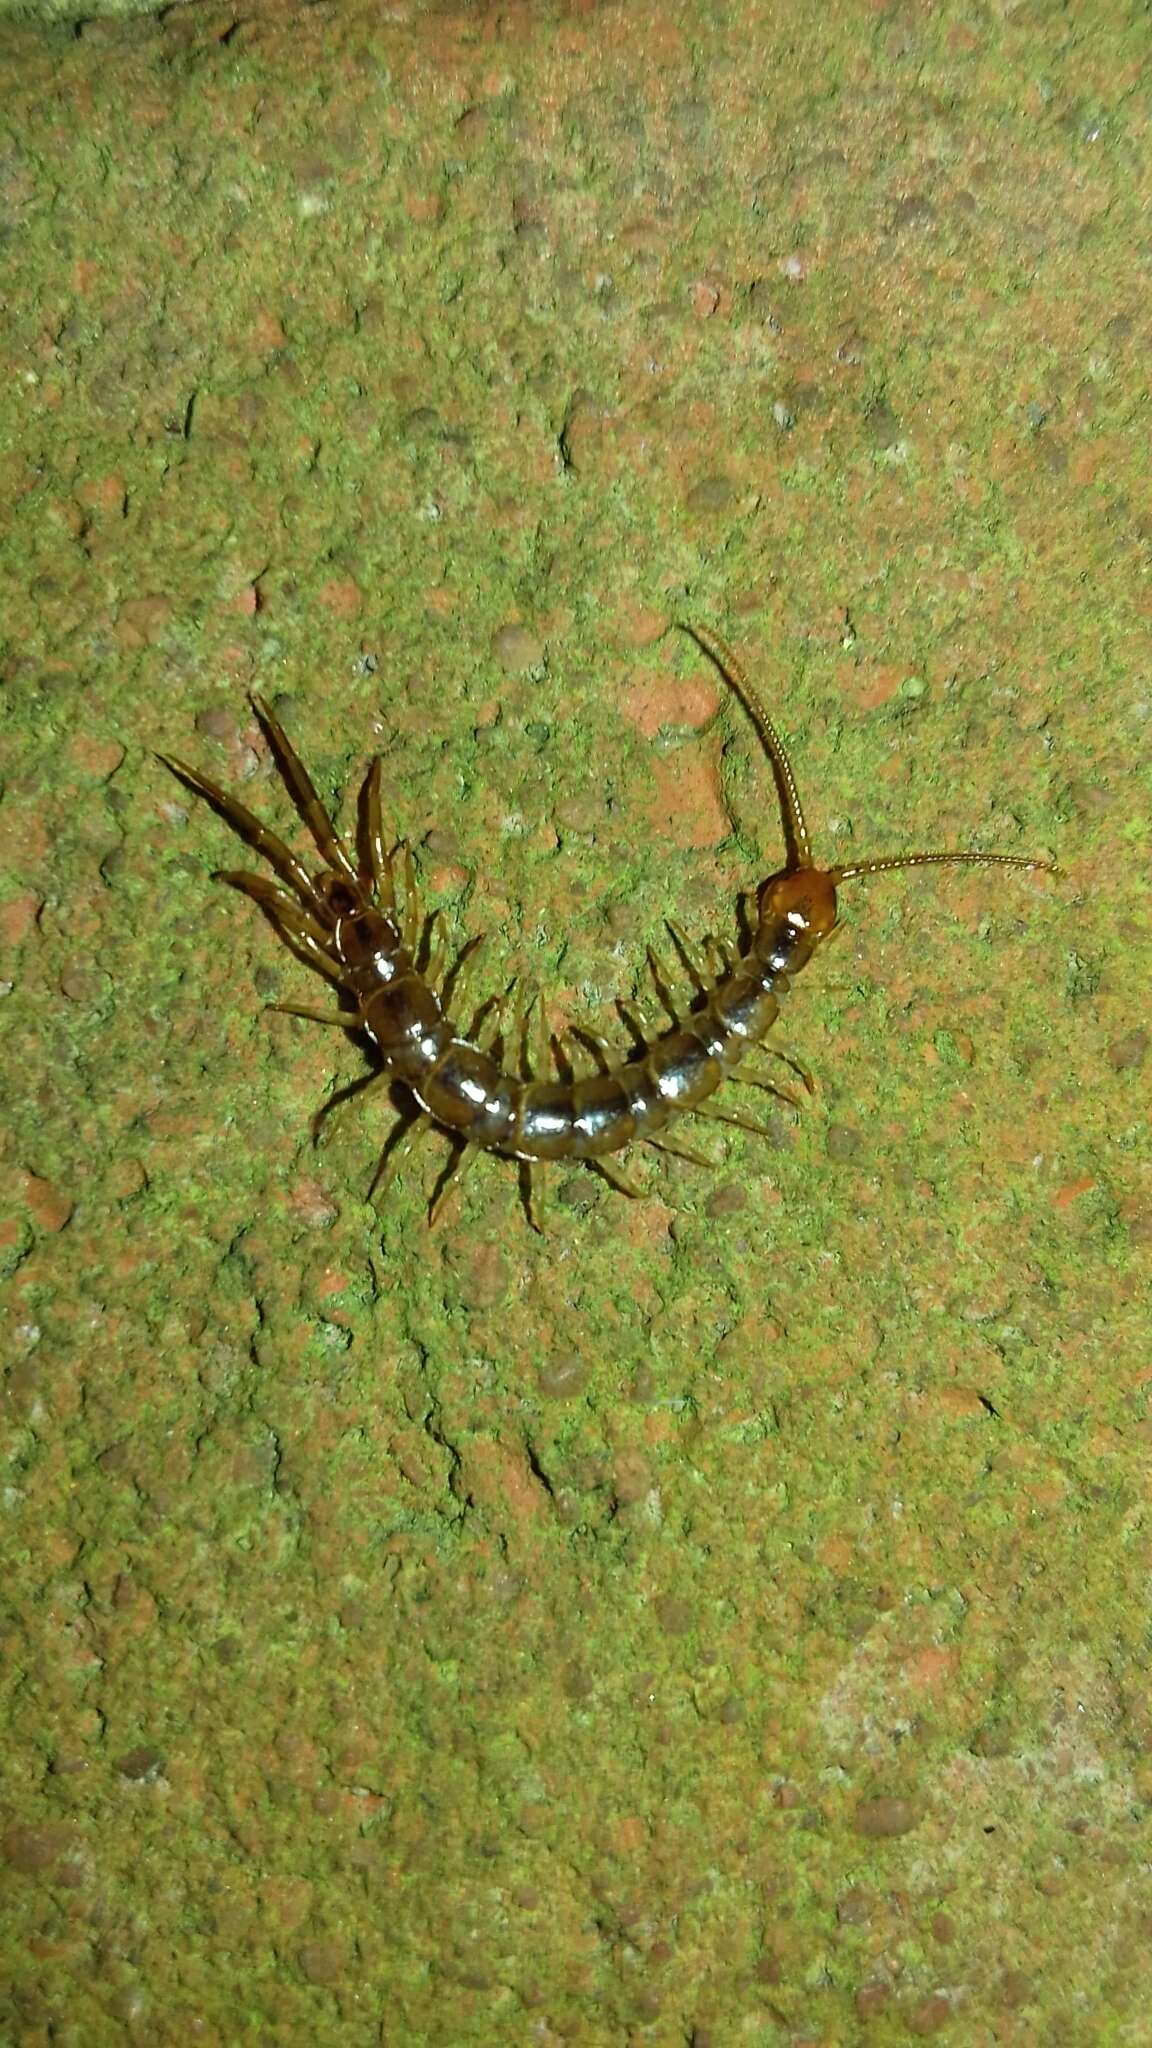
x=723, y=1620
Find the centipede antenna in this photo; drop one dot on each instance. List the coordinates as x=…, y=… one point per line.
x=941, y=860
x=795, y=830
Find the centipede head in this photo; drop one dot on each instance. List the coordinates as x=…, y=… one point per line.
x=803, y=895
x=804, y=898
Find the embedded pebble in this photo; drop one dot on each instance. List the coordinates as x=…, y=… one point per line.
x=563, y=1376
x=711, y=494
x=517, y=650
x=886, y=1817
x=1127, y=1054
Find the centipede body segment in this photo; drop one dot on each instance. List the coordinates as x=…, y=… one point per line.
x=350, y=923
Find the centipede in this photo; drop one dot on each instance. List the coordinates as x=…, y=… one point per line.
x=351, y=922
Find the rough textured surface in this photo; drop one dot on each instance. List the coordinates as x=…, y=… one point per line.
x=724, y=1621
x=73, y=16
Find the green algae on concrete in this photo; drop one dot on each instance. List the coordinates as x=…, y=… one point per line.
x=724, y=1620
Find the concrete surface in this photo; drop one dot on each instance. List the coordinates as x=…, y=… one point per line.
x=724, y=1620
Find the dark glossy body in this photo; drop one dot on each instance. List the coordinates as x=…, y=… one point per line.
x=467, y=1091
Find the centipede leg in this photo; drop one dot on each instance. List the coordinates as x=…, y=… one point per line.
x=375, y=858
x=798, y=1067
x=525, y=1003
x=250, y=828
x=766, y=1087
x=662, y=981
x=696, y=967
x=362, y=1085
x=543, y=1037
x=493, y=1013
x=410, y=923
x=436, y=949
x=723, y=1116
x=528, y=1194
x=303, y=793
x=463, y=1159
x=679, y=1152
x=396, y=1151
x=460, y=973
x=529, y=999
x=616, y=1180
x=643, y=1027
x=344, y=1020
x=719, y=953
x=308, y=951
x=276, y=901
x=607, y=1058
x=299, y=931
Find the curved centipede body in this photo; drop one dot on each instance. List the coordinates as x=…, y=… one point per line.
x=346, y=922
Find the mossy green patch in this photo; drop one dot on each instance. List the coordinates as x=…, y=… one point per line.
x=722, y=1618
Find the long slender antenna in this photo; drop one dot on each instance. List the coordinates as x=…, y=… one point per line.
x=795, y=830
x=941, y=860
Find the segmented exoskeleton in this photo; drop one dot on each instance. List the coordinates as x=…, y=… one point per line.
x=346, y=922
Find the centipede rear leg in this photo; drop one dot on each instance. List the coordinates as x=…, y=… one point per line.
x=251, y=829
x=372, y=849
x=302, y=933
x=303, y=793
